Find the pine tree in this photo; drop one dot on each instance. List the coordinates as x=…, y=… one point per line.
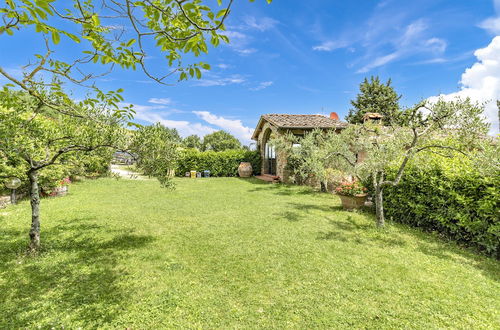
x=377, y=97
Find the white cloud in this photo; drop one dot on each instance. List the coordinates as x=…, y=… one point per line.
x=164, y=101
x=436, y=45
x=223, y=66
x=492, y=24
x=330, y=45
x=246, y=51
x=481, y=82
x=215, y=80
x=380, y=61
x=235, y=35
x=262, y=85
x=143, y=108
x=233, y=126
x=389, y=34
x=413, y=41
x=158, y=113
x=262, y=24
x=239, y=42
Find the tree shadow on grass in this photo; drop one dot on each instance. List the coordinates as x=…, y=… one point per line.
x=315, y=207
x=254, y=180
x=347, y=228
x=283, y=189
x=290, y=216
x=78, y=275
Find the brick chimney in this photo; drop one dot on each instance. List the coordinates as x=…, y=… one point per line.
x=334, y=116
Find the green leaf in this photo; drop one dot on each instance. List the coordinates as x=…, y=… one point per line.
x=56, y=37
x=11, y=4
x=221, y=13
x=95, y=20
x=130, y=42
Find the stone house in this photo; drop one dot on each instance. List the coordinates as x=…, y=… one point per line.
x=273, y=166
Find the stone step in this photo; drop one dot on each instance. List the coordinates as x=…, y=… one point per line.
x=268, y=178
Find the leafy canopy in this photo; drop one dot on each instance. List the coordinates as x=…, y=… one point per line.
x=45, y=138
x=220, y=141
x=193, y=142
x=156, y=150
x=109, y=34
x=375, y=96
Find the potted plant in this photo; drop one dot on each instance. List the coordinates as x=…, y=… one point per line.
x=60, y=188
x=352, y=195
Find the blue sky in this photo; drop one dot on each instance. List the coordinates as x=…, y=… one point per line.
x=308, y=57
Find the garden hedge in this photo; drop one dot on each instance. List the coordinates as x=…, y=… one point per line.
x=450, y=197
x=222, y=163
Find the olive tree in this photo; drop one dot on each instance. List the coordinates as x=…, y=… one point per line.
x=42, y=139
x=156, y=151
x=308, y=156
x=429, y=127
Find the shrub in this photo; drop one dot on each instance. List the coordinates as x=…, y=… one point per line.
x=222, y=163
x=451, y=197
x=93, y=164
x=350, y=189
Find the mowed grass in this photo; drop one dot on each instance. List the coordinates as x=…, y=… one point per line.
x=232, y=253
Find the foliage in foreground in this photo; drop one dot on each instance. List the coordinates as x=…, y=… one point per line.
x=449, y=196
x=222, y=163
x=40, y=138
x=228, y=253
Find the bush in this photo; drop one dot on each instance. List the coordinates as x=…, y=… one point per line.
x=222, y=163
x=92, y=164
x=451, y=197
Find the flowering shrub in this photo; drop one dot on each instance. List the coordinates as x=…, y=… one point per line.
x=350, y=189
x=64, y=182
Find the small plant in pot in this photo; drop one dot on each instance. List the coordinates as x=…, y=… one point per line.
x=352, y=195
x=60, y=188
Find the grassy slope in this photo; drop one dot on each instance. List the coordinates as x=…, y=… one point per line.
x=232, y=253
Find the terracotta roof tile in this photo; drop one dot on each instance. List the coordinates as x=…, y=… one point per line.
x=303, y=121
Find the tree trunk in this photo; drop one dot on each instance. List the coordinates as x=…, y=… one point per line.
x=324, y=186
x=35, y=210
x=379, y=205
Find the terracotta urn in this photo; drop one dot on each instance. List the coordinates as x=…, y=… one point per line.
x=353, y=202
x=245, y=170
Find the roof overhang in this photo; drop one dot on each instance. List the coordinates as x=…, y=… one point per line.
x=258, y=128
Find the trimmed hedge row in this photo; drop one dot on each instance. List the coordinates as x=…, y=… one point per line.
x=222, y=163
x=451, y=198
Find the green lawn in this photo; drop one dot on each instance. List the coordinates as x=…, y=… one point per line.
x=232, y=253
